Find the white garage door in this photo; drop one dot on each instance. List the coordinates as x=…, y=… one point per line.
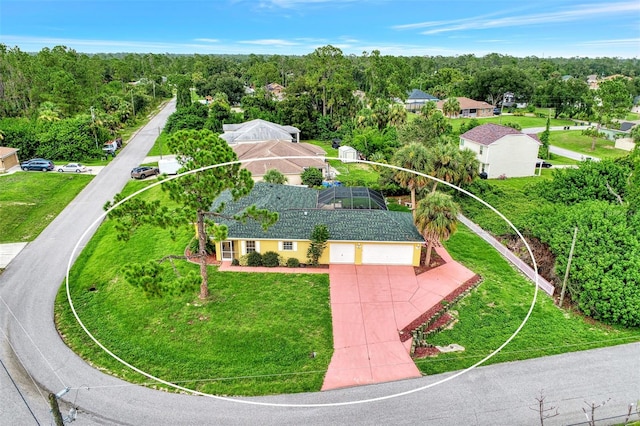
x=342, y=253
x=387, y=254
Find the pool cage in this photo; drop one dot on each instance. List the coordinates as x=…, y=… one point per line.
x=347, y=197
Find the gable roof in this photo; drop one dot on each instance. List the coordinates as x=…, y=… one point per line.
x=6, y=151
x=298, y=215
x=625, y=126
x=257, y=130
x=277, y=149
x=486, y=134
x=417, y=94
x=466, y=103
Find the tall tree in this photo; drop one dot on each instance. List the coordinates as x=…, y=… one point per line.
x=415, y=157
x=451, y=107
x=195, y=194
x=436, y=219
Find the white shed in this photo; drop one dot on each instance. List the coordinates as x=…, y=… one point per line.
x=347, y=154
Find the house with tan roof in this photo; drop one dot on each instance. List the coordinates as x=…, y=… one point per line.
x=291, y=168
x=470, y=108
x=8, y=158
x=264, y=139
x=502, y=151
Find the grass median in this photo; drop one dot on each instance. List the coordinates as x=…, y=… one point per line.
x=29, y=201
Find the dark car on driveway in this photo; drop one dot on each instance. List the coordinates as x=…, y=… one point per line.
x=143, y=172
x=38, y=164
x=543, y=164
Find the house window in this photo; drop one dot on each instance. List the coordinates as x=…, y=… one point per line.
x=481, y=150
x=461, y=142
x=483, y=168
x=287, y=245
x=251, y=246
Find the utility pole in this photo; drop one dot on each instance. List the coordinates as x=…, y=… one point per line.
x=93, y=119
x=566, y=274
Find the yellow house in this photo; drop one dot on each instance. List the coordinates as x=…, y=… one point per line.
x=361, y=229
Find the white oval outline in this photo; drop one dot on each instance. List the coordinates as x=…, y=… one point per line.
x=331, y=404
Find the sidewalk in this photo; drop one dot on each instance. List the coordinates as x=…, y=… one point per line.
x=8, y=252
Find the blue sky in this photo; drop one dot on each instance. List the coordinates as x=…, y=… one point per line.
x=542, y=28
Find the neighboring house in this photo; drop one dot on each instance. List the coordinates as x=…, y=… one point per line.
x=592, y=81
x=292, y=168
x=417, y=99
x=470, y=108
x=361, y=229
x=508, y=100
x=502, y=150
x=8, y=158
x=259, y=131
x=276, y=90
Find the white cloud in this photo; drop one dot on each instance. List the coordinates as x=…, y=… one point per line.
x=207, y=40
x=270, y=42
x=582, y=12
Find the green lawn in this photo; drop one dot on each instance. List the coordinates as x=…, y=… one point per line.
x=523, y=121
x=253, y=337
x=575, y=141
x=350, y=174
x=495, y=309
x=29, y=201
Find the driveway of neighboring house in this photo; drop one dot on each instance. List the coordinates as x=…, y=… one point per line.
x=369, y=305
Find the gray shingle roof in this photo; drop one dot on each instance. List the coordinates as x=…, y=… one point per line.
x=298, y=216
x=257, y=130
x=419, y=94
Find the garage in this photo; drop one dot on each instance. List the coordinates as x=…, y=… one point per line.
x=387, y=254
x=342, y=253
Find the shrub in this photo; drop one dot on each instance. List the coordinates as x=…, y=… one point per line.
x=235, y=262
x=254, y=259
x=292, y=262
x=244, y=260
x=194, y=245
x=271, y=259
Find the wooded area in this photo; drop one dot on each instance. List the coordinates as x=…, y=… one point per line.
x=62, y=105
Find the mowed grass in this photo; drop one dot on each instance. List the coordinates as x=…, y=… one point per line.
x=574, y=140
x=494, y=310
x=29, y=201
x=255, y=335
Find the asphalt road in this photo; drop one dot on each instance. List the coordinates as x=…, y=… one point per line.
x=35, y=361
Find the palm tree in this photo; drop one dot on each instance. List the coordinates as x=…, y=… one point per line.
x=397, y=115
x=444, y=161
x=436, y=219
x=275, y=176
x=48, y=111
x=450, y=107
x=413, y=157
x=468, y=166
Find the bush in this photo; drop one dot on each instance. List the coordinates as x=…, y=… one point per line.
x=244, y=260
x=271, y=259
x=292, y=262
x=194, y=245
x=254, y=259
x=235, y=262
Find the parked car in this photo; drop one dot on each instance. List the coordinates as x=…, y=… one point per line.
x=144, y=172
x=497, y=111
x=38, y=164
x=73, y=167
x=543, y=164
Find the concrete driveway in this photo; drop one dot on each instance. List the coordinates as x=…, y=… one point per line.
x=369, y=305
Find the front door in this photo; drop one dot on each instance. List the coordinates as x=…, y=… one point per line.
x=227, y=250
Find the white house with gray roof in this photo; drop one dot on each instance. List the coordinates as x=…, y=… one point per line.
x=259, y=131
x=502, y=150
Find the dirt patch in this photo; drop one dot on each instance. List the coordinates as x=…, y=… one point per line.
x=435, y=261
x=544, y=257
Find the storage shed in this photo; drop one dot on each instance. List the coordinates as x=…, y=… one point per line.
x=347, y=154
